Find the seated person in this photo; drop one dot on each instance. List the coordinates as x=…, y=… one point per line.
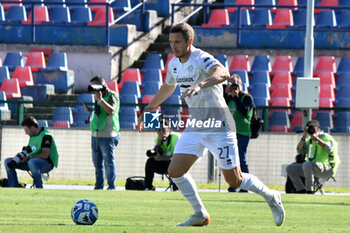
x=40, y=156
x=160, y=156
x=322, y=158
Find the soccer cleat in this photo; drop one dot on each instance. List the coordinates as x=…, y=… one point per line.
x=196, y=220
x=277, y=209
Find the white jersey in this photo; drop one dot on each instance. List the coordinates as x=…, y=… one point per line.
x=209, y=103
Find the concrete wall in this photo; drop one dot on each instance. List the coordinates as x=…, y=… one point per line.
x=266, y=155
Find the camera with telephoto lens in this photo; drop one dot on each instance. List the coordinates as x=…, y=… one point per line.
x=234, y=86
x=311, y=130
x=19, y=157
x=96, y=87
x=153, y=152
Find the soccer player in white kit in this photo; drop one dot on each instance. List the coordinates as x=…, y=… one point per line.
x=199, y=76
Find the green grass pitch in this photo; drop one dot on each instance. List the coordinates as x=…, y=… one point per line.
x=33, y=210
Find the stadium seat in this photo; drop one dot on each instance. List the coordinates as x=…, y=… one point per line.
x=343, y=18
x=16, y=14
x=170, y=56
x=130, y=101
x=239, y=2
x=153, y=61
x=326, y=121
x=57, y=61
x=244, y=18
x=94, y=7
x=244, y=77
x=287, y=3
x=43, y=123
x=3, y=105
x=59, y=15
x=342, y=122
x=218, y=18
x=85, y=98
x=63, y=81
x=326, y=19
x=150, y=88
x=326, y=78
x=260, y=77
x=222, y=59
x=41, y=15
x=131, y=74
x=152, y=75
x=299, y=66
x=35, y=60
x=344, y=2
x=11, y=88
x=296, y=122
x=113, y=86
x=281, y=90
x=240, y=62
x=261, y=101
x=343, y=80
x=124, y=5
x=130, y=88
x=81, y=116
x=100, y=17
x=279, y=128
x=283, y=77
x=326, y=63
x=13, y=59
x=325, y=102
x=127, y=115
x=147, y=99
x=343, y=103
x=8, y=4
x=77, y=3
x=299, y=17
x=261, y=63
x=260, y=90
x=282, y=19
x=61, y=124
x=24, y=76
x=279, y=118
x=282, y=63
x=344, y=64
x=38, y=92
x=80, y=15
x=54, y=3
x=261, y=17
x=327, y=91
x=63, y=114
x=4, y=73
x=329, y=3
x=343, y=92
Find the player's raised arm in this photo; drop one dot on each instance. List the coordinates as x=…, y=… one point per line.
x=164, y=92
x=218, y=74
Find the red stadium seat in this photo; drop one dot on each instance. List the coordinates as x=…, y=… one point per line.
x=131, y=74
x=35, y=60
x=61, y=124
x=24, y=76
x=283, y=18
x=282, y=63
x=281, y=77
x=147, y=99
x=326, y=63
x=240, y=62
x=218, y=18
x=96, y=7
x=279, y=128
x=100, y=17
x=281, y=90
x=327, y=91
x=8, y=3
x=296, y=121
x=41, y=15
x=113, y=86
x=11, y=88
x=329, y=3
x=326, y=78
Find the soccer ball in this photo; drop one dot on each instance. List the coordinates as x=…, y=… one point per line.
x=84, y=212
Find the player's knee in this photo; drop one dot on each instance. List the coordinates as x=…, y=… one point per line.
x=174, y=173
x=235, y=182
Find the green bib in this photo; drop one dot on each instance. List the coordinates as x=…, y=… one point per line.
x=242, y=122
x=169, y=149
x=35, y=143
x=102, y=118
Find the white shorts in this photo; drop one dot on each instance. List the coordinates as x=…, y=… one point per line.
x=222, y=145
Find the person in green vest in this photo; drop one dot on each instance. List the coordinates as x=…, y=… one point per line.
x=322, y=159
x=104, y=125
x=241, y=106
x=40, y=156
x=160, y=156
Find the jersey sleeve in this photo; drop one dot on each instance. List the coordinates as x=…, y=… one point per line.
x=46, y=142
x=207, y=61
x=170, y=80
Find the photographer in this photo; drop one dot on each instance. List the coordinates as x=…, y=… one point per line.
x=40, y=156
x=104, y=126
x=322, y=158
x=160, y=156
x=240, y=105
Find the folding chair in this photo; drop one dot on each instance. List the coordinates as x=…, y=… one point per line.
x=318, y=184
x=172, y=186
x=45, y=177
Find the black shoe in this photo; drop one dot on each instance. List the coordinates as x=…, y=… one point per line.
x=301, y=191
x=232, y=190
x=150, y=189
x=243, y=191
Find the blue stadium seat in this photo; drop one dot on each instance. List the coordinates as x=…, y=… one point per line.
x=261, y=63
x=59, y=15
x=343, y=103
x=222, y=59
x=244, y=18
x=177, y=91
x=152, y=75
x=344, y=64
x=150, y=88
x=127, y=125
x=260, y=90
x=343, y=93
x=244, y=77
x=85, y=98
x=260, y=77
x=342, y=122
x=57, y=61
x=38, y=92
x=343, y=18
x=326, y=121
x=344, y=2
x=4, y=74
x=299, y=17
x=62, y=80
x=80, y=15
x=261, y=18
x=299, y=67
x=326, y=19
x=127, y=115
x=153, y=61
x=13, y=59
x=63, y=114
x=2, y=14
x=3, y=105
x=279, y=118
x=54, y=3
x=343, y=80
x=124, y=5
x=76, y=3
x=170, y=101
x=16, y=14
x=130, y=101
x=81, y=117
x=43, y=123
x=130, y=88
x=261, y=101
x=269, y=3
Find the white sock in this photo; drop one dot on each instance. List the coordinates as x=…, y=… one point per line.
x=252, y=183
x=188, y=188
